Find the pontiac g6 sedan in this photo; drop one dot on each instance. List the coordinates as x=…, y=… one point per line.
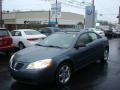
x=56, y=57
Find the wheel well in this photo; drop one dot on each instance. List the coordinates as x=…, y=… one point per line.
x=20, y=42
x=69, y=62
x=107, y=47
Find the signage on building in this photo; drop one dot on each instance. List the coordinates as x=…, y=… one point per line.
x=89, y=11
x=36, y=22
x=32, y=22
x=90, y=16
x=56, y=10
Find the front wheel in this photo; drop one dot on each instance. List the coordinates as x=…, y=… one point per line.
x=105, y=56
x=63, y=74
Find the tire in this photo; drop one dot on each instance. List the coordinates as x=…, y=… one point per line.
x=21, y=46
x=63, y=74
x=105, y=56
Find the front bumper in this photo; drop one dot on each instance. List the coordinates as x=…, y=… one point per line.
x=33, y=76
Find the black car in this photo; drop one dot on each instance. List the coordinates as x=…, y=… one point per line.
x=58, y=56
x=49, y=30
x=108, y=33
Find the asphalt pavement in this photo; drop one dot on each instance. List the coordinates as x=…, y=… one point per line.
x=95, y=76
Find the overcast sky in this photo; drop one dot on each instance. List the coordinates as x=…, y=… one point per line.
x=106, y=9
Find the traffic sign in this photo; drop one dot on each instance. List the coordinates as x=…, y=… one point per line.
x=56, y=10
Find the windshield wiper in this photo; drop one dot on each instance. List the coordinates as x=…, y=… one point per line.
x=53, y=46
x=49, y=46
x=39, y=45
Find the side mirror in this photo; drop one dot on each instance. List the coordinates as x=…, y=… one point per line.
x=80, y=45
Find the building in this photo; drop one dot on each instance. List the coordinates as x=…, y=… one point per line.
x=37, y=19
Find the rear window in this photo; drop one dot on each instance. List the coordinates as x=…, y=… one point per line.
x=32, y=32
x=4, y=33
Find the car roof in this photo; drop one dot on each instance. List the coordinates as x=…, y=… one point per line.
x=3, y=29
x=77, y=31
x=50, y=27
x=24, y=30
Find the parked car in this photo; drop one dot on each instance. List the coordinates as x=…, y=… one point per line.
x=6, y=42
x=58, y=56
x=49, y=30
x=97, y=30
x=108, y=32
x=26, y=37
x=116, y=33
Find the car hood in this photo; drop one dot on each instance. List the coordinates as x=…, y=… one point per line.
x=35, y=53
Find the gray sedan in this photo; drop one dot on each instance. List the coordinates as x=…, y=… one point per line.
x=58, y=56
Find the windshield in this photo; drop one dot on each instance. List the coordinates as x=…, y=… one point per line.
x=63, y=40
x=32, y=32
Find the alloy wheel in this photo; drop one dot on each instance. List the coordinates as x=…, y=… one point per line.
x=21, y=46
x=64, y=74
x=106, y=55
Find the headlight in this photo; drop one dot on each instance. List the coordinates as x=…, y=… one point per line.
x=11, y=60
x=40, y=64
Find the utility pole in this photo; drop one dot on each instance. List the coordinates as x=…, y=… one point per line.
x=93, y=4
x=119, y=16
x=1, y=21
x=49, y=17
x=56, y=15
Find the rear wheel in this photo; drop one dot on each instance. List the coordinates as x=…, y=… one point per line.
x=105, y=56
x=21, y=46
x=63, y=74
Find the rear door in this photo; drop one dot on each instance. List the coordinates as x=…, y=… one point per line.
x=16, y=35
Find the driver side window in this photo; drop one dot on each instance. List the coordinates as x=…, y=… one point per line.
x=84, y=39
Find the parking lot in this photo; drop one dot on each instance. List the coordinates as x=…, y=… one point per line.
x=93, y=77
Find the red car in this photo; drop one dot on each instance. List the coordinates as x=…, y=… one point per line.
x=6, y=42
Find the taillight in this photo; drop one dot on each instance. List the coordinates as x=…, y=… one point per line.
x=32, y=39
x=7, y=40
